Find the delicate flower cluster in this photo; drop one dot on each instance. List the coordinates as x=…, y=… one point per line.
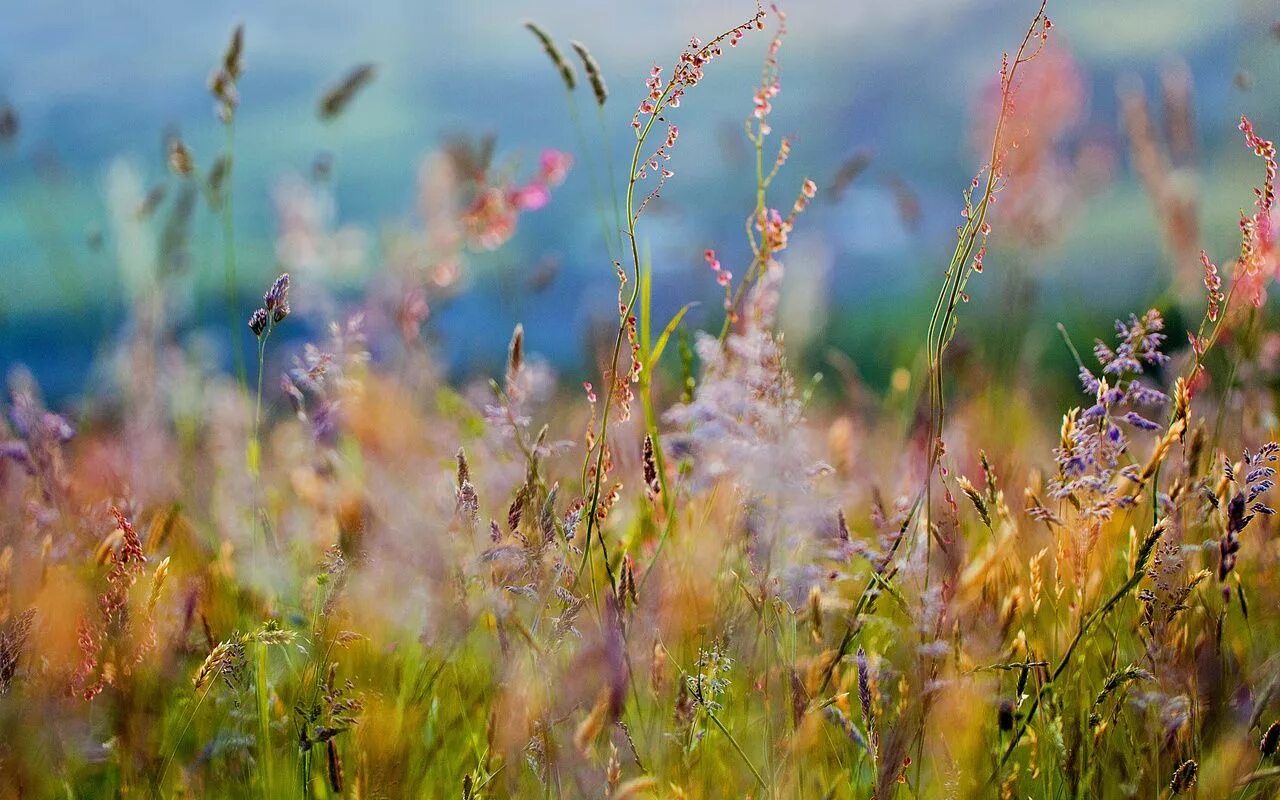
x=688, y=71
x=621, y=382
x=1169, y=589
x=744, y=427
x=723, y=276
x=1212, y=284
x=710, y=680
x=1090, y=455
x=275, y=307
x=1052, y=167
x=38, y=437
x=1140, y=341
x=1258, y=245
x=975, y=229
x=770, y=84
x=490, y=220
x=127, y=560
x=320, y=378
x=656, y=163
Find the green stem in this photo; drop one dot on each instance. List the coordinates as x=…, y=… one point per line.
x=264, y=722
x=229, y=259
x=742, y=753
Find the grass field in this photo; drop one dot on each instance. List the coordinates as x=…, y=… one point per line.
x=329, y=570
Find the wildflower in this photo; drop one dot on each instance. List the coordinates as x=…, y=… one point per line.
x=710, y=679
x=1140, y=342
x=687, y=73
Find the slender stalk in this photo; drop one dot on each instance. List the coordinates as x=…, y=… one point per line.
x=265, y=765
x=229, y=259
x=628, y=308
x=738, y=749
x=1085, y=627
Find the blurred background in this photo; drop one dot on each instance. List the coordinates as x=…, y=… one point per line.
x=1131, y=162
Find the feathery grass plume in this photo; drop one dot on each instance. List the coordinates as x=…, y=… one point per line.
x=864, y=701
x=270, y=633
x=553, y=52
x=652, y=485
x=1184, y=777
x=13, y=645
x=1148, y=546
x=158, y=579
x=979, y=502
x=1163, y=168
x=627, y=592
x=1114, y=682
x=216, y=181
x=584, y=736
x=467, y=505
x=224, y=81
x=338, y=97
x=232, y=59
x=592, y=69
x=226, y=661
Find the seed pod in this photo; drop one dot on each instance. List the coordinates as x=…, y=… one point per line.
x=592, y=69
x=652, y=484
x=553, y=53
x=1270, y=741
x=1004, y=716
x=180, y=160
x=336, y=99
x=1184, y=777
x=335, y=767
x=258, y=321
